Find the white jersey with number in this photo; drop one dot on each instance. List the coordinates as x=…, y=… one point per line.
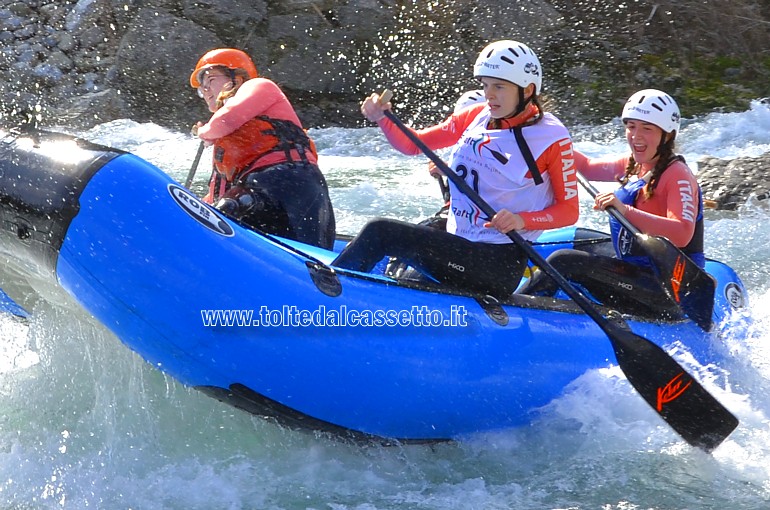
x=490, y=162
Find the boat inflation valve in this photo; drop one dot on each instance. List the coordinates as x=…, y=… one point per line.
x=493, y=309
x=324, y=278
x=617, y=318
x=23, y=230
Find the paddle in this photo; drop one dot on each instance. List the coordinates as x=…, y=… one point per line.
x=194, y=166
x=684, y=281
x=444, y=189
x=678, y=398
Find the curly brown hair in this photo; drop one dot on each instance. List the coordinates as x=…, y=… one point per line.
x=224, y=95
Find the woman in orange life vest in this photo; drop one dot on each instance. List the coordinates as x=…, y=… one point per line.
x=659, y=195
x=515, y=155
x=266, y=171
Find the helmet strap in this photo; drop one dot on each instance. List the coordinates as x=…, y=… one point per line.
x=522, y=104
x=232, y=76
x=662, y=144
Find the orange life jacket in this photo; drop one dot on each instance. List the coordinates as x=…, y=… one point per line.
x=242, y=149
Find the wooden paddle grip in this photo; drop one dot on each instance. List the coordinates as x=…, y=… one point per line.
x=385, y=96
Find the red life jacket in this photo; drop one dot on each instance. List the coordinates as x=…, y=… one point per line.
x=243, y=149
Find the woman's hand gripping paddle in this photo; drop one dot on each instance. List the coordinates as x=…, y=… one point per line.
x=678, y=398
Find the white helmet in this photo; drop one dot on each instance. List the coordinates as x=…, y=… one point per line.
x=469, y=98
x=655, y=107
x=511, y=61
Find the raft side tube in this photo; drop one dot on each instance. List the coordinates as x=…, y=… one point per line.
x=41, y=179
x=152, y=263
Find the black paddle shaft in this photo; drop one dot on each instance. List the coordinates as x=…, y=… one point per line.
x=685, y=282
x=194, y=166
x=678, y=398
x=444, y=189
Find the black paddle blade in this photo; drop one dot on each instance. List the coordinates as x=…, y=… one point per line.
x=678, y=398
x=687, y=283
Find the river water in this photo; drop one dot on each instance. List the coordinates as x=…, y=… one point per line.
x=85, y=423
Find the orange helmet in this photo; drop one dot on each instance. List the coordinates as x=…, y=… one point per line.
x=226, y=57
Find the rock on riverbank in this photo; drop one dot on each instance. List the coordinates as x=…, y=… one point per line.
x=78, y=63
x=730, y=183
x=82, y=62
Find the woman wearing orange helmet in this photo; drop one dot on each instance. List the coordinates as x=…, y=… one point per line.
x=265, y=166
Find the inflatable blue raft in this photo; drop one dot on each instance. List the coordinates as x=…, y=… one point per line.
x=267, y=325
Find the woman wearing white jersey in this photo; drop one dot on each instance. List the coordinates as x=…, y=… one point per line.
x=517, y=157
